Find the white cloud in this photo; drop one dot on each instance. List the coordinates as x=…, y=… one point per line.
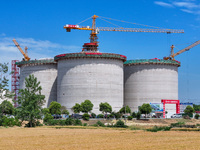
x=2, y=34
x=163, y=4
x=188, y=6
x=187, y=11
x=36, y=48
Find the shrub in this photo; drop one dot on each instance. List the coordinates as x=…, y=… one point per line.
x=178, y=124
x=196, y=116
x=138, y=115
x=116, y=115
x=99, y=123
x=134, y=115
x=186, y=117
x=53, y=122
x=86, y=116
x=69, y=121
x=38, y=123
x=111, y=116
x=85, y=124
x=100, y=116
x=8, y=122
x=156, y=128
x=93, y=115
x=120, y=124
x=4, y=121
x=61, y=122
x=77, y=122
x=130, y=117
x=47, y=117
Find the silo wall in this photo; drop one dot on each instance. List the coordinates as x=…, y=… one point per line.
x=149, y=81
x=46, y=72
x=93, y=77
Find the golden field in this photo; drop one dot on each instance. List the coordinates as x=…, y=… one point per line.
x=95, y=139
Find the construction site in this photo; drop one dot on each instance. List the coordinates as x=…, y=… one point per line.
x=104, y=77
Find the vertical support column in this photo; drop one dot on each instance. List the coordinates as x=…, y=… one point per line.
x=15, y=80
x=163, y=109
x=178, y=108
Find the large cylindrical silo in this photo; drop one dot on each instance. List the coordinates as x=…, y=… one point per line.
x=149, y=81
x=94, y=76
x=45, y=70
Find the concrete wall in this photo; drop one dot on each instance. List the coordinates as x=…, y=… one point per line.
x=99, y=80
x=149, y=83
x=46, y=74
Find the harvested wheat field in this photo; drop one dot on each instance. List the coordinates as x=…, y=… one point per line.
x=95, y=139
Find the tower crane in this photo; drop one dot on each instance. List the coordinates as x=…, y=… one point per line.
x=181, y=51
x=26, y=58
x=92, y=46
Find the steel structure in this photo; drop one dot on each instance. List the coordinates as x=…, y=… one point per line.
x=181, y=51
x=15, y=80
x=177, y=102
x=26, y=58
x=95, y=30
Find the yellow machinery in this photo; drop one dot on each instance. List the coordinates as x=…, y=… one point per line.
x=95, y=30
x=181, y=51
x=26, y=58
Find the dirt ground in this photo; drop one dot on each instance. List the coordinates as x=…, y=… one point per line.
x=95, y=139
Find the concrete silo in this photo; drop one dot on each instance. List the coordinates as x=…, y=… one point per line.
x=45, y=70
x=90, y=75
x=149, y=81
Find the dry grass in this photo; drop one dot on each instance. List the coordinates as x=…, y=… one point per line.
x=95, y=139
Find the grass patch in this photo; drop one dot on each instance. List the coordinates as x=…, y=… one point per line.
x=136, y=128
x=185, y=129
x=156, y=129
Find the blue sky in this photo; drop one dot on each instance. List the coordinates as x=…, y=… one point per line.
x=39, y=25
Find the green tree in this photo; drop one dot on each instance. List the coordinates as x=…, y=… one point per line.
x=30, y=101
x=189, y=110
x=76, y=108
x=145, y=109
x=64, y=110
x=86, y=106
x=4, y=92
x=55, y=108
x=125, y=110
x=105, y=107
x=196, y=107
x=45, y=111
x=3, y=78
x=6, y=107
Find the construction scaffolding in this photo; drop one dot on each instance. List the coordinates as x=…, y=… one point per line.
x=15, y=80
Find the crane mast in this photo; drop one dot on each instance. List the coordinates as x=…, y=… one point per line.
x=181, y=51
x=26, y=58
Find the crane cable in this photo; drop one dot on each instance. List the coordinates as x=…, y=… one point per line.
x=84, y=20
x=111, y=23
x=100, y=17
x=129, y=22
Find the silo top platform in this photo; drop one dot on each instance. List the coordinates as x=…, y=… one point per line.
x=90, y=55
x=152, y=61
x=36, y=62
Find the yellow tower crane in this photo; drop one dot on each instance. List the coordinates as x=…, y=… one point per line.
x=92, y=46
x=181, y=51
x=26, y=58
